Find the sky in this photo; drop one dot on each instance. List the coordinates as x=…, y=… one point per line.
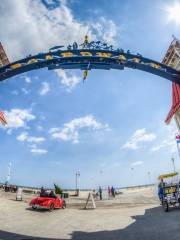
x=111, y=128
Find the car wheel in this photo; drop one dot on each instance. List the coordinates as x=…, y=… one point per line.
x=64, y=205
x=51, y=207
x=165, y=206
x=34, y=207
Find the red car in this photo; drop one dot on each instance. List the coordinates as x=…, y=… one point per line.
x=48, y=203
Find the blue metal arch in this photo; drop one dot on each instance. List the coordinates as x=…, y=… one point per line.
x=87, y=58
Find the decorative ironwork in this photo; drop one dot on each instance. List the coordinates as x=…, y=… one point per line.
x=86, y=56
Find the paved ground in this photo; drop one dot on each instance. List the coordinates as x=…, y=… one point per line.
x=133, y=215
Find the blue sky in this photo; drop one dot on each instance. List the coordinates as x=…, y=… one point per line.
x=105, y=127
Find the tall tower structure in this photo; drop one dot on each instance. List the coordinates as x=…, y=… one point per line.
x=172, y=59
x=3, y=57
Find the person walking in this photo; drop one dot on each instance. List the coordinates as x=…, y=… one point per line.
x=100, y=192
x=113, y=191
x=160, y=190
x=109, y=192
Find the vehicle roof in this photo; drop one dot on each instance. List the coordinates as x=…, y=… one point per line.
x=168, y=175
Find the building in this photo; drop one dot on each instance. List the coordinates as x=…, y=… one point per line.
x=3, y=57
x=172, y=59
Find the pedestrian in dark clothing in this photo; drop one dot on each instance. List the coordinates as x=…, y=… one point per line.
x=100, y=193
x=113, y=191
x=109, y=191
x=160, y=190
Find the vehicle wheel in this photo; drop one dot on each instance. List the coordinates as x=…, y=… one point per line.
x=34, y=207
x=165, y=206
x=64, y=205
x=51, y=207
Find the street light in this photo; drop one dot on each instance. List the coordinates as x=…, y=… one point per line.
x=173, y=164
x=77, y=176
x=9, y=173
x=132, y=176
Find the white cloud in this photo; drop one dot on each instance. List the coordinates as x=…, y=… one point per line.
x=18, y=118
x=27, y=79
x=25, y=137
x=38, y=151
x=44, y=88
x=137, y=163
x=169, y=143
x=36, y=28
x=139, y=136
x=22, y=137
x=157, y=148
x=36, y=139
x=106, y=29
x=70, y=131
x=53, y=130
x=39, y=128
x=68, y=80
x=24, y=90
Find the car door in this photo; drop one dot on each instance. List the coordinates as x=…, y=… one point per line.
x=57, y=202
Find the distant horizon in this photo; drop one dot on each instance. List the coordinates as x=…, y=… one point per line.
x=80, y=189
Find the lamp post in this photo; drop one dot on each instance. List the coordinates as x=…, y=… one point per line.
x=132, y=176
x=172, y=159
x=9, y=173
x=149, y=177
x=77, y=176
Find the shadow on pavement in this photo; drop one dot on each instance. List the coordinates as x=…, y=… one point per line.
x=13, y=236
x=153, y=225
x=43, y=210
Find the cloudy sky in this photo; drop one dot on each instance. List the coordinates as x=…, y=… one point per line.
x=112, y=127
